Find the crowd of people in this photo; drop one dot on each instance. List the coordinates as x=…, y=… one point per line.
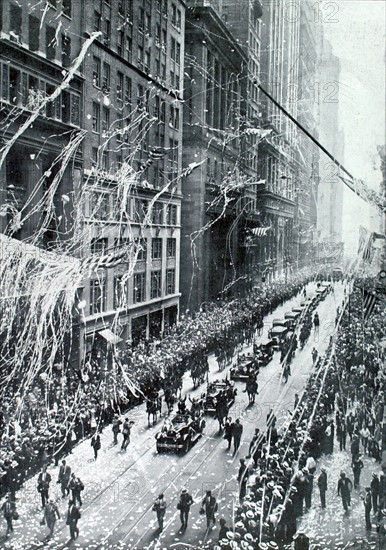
x=62, y=409
x=343, y=400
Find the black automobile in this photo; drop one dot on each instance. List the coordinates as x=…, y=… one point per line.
x=180, y=434
x=264, y=353
x=214, y=392
x=245, y=366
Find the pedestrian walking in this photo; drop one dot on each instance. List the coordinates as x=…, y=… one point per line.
x=209, y=507
x=96, y=444
x=314, y=356
x=159, y=507
x=242, y=478
x=354, y=447
x=237, y=430
x=126, y=431
x=365, y=434
x=322, y=484
x=116, y=428
x=341, y=432
x=374, y=486
x=64, y=478
x=73, y=516
x=9, y=509
x=76, y=487
x=51, y=513
x=367, y=503
x=296, y=400
x=357, y=467
x=344, y=490
x=316, y=324
x=183, y=506
x=44, y=481
x=228, y=428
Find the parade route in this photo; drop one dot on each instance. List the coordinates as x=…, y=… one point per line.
x=120, y=488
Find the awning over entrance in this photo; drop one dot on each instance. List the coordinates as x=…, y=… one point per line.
x=110, y=336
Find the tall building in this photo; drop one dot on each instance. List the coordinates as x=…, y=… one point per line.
x=278, y=152
x=211, y=193
x=308, y=153
x=124, y=102
x=330, y=199
x=133, y=91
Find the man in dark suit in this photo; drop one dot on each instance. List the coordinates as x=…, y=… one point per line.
x=44, y=481
x=73, y=516
x=322, y=484
x=237, y=430
x=183, y=506
x=64, y=478
x=8, y=508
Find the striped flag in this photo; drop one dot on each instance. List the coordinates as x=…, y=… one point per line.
x=105, y=261
x=189, y=169
x=260, y=231
x=369, y=301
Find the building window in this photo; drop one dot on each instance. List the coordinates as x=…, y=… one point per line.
x=66, y=51
x=141, y=249
x=140, y=57
x=140, y=210
x=33, y=33
x=94, y=156
x=120, y=292
x=96, y=72
x=97, y=21
x=119, y=86
x=105, y=120
x=173, y=160
x=100, y=205
x=106, y=78
x=98, y=246
x=157, y=214
x=50, y=42
x=171, y=214
x=75, y=110
x=106, y=25
x=15, y=22
x=141, y=20
x=67, y=7
x=97, y=296
x=170, y=281
x=139, y=288
x=156, y=249
x=155, y=284
x=171, y=248
x=96, y=116
x=128, y=92
x=120, y=43
x=121, y=8
x=105, y=161
x=129, y=48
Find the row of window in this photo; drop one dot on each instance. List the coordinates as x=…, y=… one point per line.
x=102, y=207
x=26, y=90
x=98, y=290
x=100, y=245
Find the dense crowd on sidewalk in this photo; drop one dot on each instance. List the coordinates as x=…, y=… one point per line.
x=343, y=403
x=62, y=409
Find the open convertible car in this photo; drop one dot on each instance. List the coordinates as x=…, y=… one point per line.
x=215, y=390
x=245, y=367
x=180, y=434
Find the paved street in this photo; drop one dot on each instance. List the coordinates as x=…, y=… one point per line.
x=121, y=487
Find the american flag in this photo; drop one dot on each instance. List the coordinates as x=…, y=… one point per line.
x=370, y=299
x=260, y=231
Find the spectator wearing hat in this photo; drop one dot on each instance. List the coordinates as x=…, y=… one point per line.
x=126, y=431
x=73, y=516
x=322, y=484
x=344, y=490
x=374, y=486
x=76, y=487
x=209, y=505
x=223, y=529
x=183, y=506
x=228, y=427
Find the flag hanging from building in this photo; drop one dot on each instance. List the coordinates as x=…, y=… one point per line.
x=260, y=231
x=105, y=261
x=370, y=299
x=189, y=169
